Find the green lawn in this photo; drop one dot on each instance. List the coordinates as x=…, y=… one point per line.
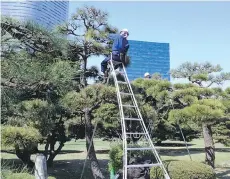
x=69, y=164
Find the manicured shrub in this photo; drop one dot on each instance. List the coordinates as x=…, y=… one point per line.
x=184, y=170
x=20, y=136
x=116, y=160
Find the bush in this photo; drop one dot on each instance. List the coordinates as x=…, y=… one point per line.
x=22, y=176
x=184, y=170
x=21, y=136
x=116, y=160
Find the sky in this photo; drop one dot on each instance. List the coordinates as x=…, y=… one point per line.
x=196, y=31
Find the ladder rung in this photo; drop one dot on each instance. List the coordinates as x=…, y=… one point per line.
x=132, y=119
x=144, y=165
x=136, y=133
x=143, y=148
x=122, y=82
x=129, y=106
x=126, y=93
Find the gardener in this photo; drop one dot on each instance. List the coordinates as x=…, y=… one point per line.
x=119, y=49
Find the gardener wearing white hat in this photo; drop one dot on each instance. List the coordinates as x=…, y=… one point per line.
x=120, y=47
x=146, y=75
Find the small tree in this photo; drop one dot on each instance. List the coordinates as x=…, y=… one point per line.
x=24, y=141
x=86, y=102
x=204, y=112
x=199, y=98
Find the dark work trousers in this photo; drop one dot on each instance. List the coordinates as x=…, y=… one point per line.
x=116, y=57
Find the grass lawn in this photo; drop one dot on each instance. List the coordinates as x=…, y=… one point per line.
x=69, y=163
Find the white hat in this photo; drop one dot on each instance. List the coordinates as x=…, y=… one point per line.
x=146, y=74
x=125, y=30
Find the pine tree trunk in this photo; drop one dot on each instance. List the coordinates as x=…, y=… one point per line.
x=83, y=77
x=53, y=154
x=94, y=165
x=24, y=155
x=209, y=145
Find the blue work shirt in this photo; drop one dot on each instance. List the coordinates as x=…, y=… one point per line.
x=120, y=44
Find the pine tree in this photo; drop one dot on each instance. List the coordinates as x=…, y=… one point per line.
x=88, y=30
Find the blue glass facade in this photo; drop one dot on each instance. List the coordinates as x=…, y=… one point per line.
x=46, y=13
x=149, y=57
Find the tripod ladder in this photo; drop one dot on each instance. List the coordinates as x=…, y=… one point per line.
x=127, y=122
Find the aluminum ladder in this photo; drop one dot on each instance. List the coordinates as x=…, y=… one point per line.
x=124, y=120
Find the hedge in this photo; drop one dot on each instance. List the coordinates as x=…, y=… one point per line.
x=184, y=170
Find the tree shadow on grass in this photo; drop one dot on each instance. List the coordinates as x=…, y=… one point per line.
x=172, y=144
x=102, y=151
x=70, y=151
x=61, y=169
x=178, y=151
x=61, y=152
x=183, y=151
x=223, y=173
x=72, y=169
x=8, y=151
x=162, y=151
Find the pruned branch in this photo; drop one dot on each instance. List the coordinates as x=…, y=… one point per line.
x=32, y=37
x=95, y=106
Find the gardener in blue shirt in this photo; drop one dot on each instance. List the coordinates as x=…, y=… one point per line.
x=120, y=47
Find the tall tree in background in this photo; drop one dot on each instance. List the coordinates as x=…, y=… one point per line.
x=87, y=30
x=201, y=74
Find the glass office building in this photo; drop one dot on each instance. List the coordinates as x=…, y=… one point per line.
x=149, y=57
x=46, y=13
